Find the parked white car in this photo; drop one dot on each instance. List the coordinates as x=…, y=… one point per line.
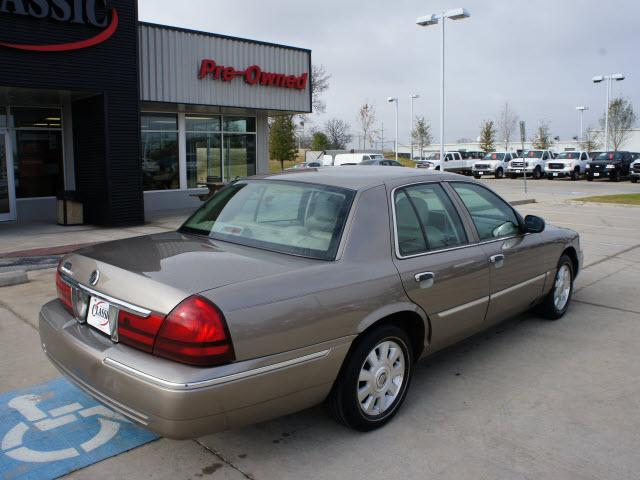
x=494, y=163
x=567, y=164
x=533, y=161
x=355, y=158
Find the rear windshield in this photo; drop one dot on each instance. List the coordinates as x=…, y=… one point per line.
x=494, y=156
x=283, y=216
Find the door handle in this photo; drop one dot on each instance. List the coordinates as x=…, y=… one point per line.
x=497, y=260
x=425, y=279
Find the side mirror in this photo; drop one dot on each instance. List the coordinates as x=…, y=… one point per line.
x=533, y=224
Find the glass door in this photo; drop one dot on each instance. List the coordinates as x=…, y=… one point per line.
x=7, y=188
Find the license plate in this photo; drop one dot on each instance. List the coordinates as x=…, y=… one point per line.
x=518, y=171
x=596, y=174
x=555, y=174
x=98, y=315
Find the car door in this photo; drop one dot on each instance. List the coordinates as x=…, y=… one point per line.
x=517, y=261
x=442, y=268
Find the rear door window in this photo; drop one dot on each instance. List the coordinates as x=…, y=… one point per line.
x=426, y=219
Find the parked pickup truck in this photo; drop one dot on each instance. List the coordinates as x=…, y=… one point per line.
x=494, y=163
x=613, y=165
x=453, y=162
x=533, y=161
x=635, y=171
x=567, y=164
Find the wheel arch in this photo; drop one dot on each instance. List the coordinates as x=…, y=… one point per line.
x=570, y=251
x=407, y=316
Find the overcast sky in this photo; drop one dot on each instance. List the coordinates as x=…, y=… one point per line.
x=539, y=55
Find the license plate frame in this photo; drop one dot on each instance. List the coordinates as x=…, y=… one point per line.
x=102, y=316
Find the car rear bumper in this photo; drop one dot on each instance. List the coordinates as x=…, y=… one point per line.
x=185, y=401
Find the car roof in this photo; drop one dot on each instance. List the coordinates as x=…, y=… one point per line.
x=355, y=177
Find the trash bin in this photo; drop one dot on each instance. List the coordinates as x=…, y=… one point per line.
x=69, y=208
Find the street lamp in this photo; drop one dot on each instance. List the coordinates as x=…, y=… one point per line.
x=581, y=110
x=395, y=100
x=413, y=97
x=425, y=21
x=618, y=77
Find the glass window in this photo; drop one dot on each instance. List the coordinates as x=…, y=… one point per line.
x=240, y=155
x=195, y=123
x=288, y=217
x=159, y=135
x=159, y=121
x=204, y=150
x=36, y=117
x=437, y=216
x=239, y=124
x=492, y=216
x=410, y=237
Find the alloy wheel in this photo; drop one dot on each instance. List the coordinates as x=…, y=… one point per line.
x=381, y=378
x=562, y=287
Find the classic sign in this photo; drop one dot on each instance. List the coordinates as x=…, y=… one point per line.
x=253, y=75
x=66, y=11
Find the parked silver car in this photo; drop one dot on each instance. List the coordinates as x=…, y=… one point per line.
x=284, y=291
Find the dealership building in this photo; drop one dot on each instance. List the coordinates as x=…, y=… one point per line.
x=133, y=117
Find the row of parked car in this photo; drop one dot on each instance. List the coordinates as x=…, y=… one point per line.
x=540, y=163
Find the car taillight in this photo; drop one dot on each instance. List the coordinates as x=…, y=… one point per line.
x=137, y=331
x=64, y=292
x=196, y=333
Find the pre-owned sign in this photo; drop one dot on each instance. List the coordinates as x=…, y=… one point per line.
x=80, y=12
x=253, y=75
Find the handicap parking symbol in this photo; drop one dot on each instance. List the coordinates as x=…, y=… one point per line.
x=51, y=429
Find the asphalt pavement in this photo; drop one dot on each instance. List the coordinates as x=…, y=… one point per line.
x=530, y=399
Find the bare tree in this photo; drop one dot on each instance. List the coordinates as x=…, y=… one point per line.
x=592, y=140
x=542, y=139
x=421, y=134
x=621, y=120
x=319, y=85
x=507, y=124
x=338, y=133
x=366, y=118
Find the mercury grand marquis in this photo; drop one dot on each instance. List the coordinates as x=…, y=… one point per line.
x=285, y=291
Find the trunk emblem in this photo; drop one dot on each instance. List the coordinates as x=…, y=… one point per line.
x=94, y=277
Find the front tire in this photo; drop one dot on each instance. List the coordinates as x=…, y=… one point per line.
x=634, y=179
x=499, y=173
x=556, y=303
x=537, y=173
x=616, y=176
x=575, y=175
x=374, y=379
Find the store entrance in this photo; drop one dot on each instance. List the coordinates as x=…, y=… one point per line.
x=7, y=187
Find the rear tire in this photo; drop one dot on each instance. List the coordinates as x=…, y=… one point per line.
x=556, y=303
x=373, y=380
x=589, y=179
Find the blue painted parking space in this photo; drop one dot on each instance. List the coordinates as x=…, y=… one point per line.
x=51, y=429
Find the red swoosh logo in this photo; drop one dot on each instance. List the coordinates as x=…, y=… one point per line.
x=63, y=47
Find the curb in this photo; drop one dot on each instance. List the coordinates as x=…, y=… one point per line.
x=523, y=202
x=15, y=277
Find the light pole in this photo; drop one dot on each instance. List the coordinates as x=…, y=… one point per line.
x=434, y=18
x=395, y=100
x=413, y=97
x=618, y=77
x=581, y=109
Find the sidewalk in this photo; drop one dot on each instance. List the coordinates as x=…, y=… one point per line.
x=46, y=239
